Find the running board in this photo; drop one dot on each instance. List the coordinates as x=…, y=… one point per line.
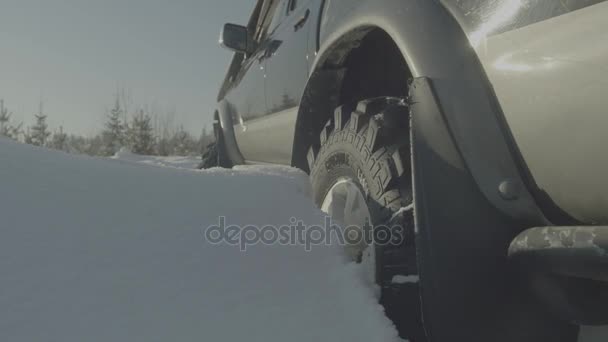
x=567, y=269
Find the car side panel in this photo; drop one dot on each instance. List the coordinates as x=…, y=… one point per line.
x=247, y=98
x=549, y=69
x=435, y=47
x=268, y=138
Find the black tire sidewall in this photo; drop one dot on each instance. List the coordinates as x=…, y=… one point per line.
x=342, y=158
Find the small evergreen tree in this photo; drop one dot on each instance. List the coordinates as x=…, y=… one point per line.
x=5, y=117
x=205, y=139
x=77, y=144
x=163, y=147
x=182, y=142
x=27, y=137
x=93, y=146
x=141, y=134
x=113, y=136
x=13, y=132
x=6, y=128
x=39, y=133
x=60, y=140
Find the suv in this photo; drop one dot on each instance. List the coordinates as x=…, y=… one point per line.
x=477, y=126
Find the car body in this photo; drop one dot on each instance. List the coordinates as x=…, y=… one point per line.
x=545, y=62
x=520, y=85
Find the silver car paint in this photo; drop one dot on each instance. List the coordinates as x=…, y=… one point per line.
x=547, y=76
x=551, y=79
x=268, y=139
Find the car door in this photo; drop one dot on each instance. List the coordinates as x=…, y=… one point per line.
x=286, y=77
x=287, y=65
x=247, y=98
x=250, y=95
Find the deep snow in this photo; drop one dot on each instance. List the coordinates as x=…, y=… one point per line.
x=113, y=250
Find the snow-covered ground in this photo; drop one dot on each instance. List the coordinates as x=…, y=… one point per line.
x=113, y=250
x=171, y=161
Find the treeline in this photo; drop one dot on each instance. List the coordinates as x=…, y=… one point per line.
x=140, y=131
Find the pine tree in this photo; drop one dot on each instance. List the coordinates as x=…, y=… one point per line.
x=205, y=139
x=13, y=132
x=60, y=140
x=163, y=147
x=114, y=134
x=27, y=137
x=93, y=146
x=5, y=117
x=141, y=134
x=39, y=132
x=77, y=144
x=182, y=142
x=286, y=103
x=6, y=128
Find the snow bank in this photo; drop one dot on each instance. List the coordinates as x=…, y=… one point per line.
x=111, y=250
x=190, y=162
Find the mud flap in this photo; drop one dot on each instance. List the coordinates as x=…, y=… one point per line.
x=469, y=292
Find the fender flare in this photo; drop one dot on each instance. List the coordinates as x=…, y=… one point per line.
x=434, y=46
x=470, y=291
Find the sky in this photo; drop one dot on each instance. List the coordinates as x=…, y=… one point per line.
x=74, y=55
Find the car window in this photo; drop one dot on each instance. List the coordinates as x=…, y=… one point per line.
x=273, y=18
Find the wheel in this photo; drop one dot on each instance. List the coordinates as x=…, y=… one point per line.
x=215, y=154
x=361, y=176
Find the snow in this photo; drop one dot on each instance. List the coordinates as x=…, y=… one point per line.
x=190, y=162
x=113, y=250
x=105, y=250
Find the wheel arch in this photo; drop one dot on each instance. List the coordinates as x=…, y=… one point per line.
x=433, y=45
x=343, y=25
x=325, y=88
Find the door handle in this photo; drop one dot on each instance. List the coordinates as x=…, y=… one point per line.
x=270, y=49
x=300, y=23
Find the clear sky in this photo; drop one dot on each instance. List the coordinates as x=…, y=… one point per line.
x=75, y=54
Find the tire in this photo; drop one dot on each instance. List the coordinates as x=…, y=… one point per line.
x=369, y=146
x=215, y=154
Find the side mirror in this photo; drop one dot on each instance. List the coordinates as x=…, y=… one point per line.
x=236, y=38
